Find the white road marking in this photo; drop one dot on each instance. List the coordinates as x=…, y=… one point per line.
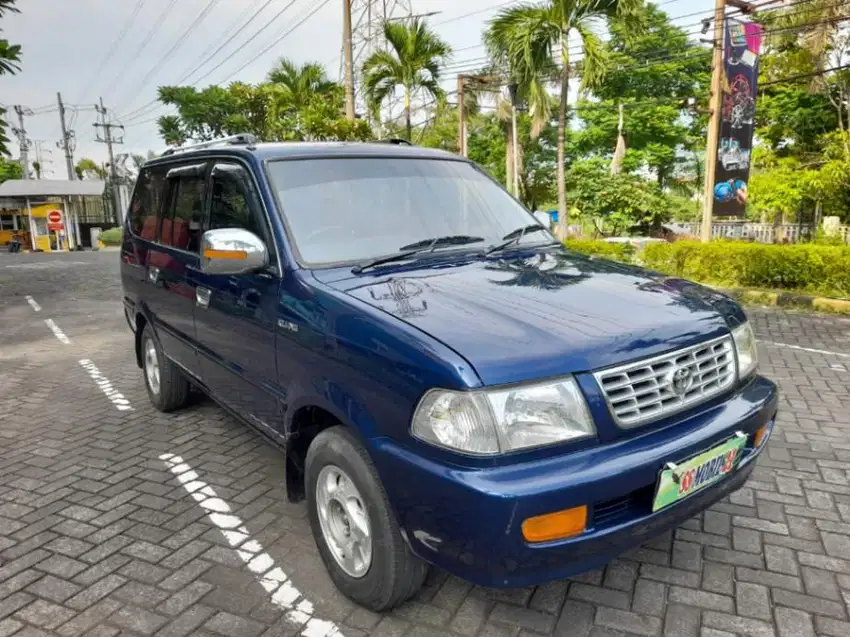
x=117, y=398
x=57, y=332
x=42, y=265
x=807, y=349
x=283, y=593
x=33, y=304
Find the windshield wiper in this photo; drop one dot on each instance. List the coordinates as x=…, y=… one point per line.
x=426, y=245
x=436, y=242
x=514, y=236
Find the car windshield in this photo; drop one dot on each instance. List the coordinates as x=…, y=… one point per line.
x=355, y=209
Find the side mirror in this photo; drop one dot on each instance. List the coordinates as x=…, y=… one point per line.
x=232, y=251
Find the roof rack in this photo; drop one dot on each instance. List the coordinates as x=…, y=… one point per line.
x=246, y=139
x=395, y=140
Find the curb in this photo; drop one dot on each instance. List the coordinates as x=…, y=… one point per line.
x=790, y=300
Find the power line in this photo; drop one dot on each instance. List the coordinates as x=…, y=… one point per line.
x=137, y=54
x=113, y=47
x=277, y=41
x=800, y=76
x=143, y=110
x=181, y=40
x=205, y=57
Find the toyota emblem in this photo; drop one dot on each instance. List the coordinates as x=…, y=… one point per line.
x=681, y=381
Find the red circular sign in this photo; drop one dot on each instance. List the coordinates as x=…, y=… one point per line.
x=54, y=216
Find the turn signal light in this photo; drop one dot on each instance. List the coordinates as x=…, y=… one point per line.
x=761, y=434
x=226, y=254
x=555, y=526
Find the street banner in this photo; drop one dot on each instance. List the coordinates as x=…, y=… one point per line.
x=735, y=138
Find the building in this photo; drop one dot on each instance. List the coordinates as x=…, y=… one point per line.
x=28, y=206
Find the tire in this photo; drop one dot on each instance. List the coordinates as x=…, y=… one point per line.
x=173, y=388
x=394, y=573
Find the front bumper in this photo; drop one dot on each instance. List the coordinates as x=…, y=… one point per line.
x=468, y=521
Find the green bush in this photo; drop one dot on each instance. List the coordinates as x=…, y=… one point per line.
x=616, y=251
x=812, y=268
x=111, y=237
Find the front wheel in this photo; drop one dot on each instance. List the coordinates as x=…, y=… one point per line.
x=168, y=388
x=354, y=528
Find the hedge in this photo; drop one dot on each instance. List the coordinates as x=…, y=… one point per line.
x=816, y=269
x=805, y=268
x=111, y=237
x=616, y=251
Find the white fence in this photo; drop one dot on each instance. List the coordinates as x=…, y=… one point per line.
x=762, y=232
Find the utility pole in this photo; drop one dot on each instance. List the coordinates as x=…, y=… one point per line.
x=715, y=106
x=461, y=116
x=512, y=92
x=24, y=143
x=349, y=60
x=109, y=139
x=65, y=144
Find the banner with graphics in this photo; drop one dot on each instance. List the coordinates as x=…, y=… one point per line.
x=735, y=139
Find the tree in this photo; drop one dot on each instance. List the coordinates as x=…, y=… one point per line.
x=653, y=74
x=300, y=84
x=10, y=58
x=811, y=40
x=297, y=103
x=616, y=203
x=89, y=169
x=526, y=38
x=10, y=170
x=412, y=60
x=36, y=166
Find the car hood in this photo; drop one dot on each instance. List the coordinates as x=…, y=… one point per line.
x=547, y=314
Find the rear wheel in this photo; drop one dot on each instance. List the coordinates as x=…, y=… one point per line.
x=354, y=528
x=168, y=388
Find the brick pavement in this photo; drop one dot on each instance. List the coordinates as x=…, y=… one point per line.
x=97, y=537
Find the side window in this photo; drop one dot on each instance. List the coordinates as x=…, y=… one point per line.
x=183, y=216
x=147, y=199
x=235, y=203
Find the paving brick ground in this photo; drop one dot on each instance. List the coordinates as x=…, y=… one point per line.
x=98, y=538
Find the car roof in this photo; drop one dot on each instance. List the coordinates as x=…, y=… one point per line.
x=307, y=150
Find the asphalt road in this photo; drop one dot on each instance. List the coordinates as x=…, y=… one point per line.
x=115, y=519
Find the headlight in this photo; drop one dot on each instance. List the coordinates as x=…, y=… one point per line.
x=745, y=348
x=487, y=422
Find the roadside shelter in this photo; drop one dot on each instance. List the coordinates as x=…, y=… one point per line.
x=48, y=210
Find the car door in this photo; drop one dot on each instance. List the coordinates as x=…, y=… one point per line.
x=236, y=321
x=172, y=260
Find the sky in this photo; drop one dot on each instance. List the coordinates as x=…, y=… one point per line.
x=122, y=50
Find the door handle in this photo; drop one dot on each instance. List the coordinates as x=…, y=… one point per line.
x=202, y=296
x=153, y=274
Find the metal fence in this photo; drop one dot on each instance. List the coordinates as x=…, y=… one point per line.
x=763, y=232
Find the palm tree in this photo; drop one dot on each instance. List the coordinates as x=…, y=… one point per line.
x=532, y=40
x=412, y=60
x=299, y=84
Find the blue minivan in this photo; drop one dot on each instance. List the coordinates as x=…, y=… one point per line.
x=449, y=385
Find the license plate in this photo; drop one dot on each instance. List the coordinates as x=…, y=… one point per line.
x=679, y=481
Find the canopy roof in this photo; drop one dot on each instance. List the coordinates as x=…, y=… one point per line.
x=37, y=188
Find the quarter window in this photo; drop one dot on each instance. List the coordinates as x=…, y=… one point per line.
x=145, y=205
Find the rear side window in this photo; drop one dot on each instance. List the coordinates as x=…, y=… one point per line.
x=147, y=201
x=183, y=216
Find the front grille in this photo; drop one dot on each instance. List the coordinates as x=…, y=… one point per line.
x=644, y=390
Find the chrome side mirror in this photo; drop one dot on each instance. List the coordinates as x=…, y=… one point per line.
x=232, y=251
